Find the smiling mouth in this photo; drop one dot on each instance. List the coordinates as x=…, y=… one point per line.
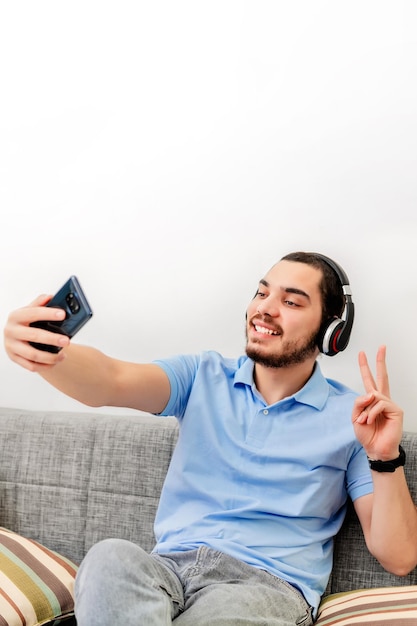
x=265, y=331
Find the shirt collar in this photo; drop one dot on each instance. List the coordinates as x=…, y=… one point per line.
x=314, y=393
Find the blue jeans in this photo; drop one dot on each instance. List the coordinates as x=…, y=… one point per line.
x=119, y=584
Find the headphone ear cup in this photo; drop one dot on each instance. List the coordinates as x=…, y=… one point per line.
x=333, y=336
x=329, y=335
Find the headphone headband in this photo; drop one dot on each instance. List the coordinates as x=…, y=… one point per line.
x=335, y=333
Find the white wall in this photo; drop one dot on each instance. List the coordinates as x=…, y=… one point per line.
x=168, y=153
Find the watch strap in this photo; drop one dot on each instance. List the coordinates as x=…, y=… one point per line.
x=388, y=466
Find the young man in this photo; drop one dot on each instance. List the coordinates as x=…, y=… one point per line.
x=268, y=453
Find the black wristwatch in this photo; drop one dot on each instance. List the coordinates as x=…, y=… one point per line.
x=388, y=466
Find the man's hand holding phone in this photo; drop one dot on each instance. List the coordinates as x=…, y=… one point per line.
x=34, y=335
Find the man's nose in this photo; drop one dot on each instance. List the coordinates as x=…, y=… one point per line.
x=268, y=307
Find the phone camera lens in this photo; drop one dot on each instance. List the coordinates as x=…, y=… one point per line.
x=73, y=303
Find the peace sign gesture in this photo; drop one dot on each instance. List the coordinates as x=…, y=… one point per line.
x=377, y=420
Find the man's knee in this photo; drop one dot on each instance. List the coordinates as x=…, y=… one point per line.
x=117, y=579
x=111, y=558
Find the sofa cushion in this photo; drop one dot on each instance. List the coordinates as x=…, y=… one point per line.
x=385, y=606
x=36, y=584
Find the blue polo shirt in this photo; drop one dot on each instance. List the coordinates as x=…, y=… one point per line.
x=266, y=484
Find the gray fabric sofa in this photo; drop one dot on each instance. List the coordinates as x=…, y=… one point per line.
x=70, y=479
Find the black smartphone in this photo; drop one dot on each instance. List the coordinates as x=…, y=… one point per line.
x=72, y=299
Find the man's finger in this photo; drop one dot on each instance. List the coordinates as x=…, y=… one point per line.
x=367, y=378
x=381, y=372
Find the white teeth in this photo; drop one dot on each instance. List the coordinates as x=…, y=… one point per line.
x=265, y=331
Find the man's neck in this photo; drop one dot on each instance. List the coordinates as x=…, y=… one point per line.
x=274, y=384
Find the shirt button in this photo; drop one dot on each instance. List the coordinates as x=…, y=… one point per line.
x=266, y=411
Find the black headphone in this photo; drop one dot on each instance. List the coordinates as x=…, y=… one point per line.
x=334, y=334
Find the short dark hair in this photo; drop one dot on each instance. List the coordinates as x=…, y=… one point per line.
x=333, y=299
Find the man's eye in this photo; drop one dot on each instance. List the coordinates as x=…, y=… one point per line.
x=291, y=303
x=260, y=293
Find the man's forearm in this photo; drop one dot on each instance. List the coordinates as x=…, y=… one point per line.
x=84, y=374
x=393, y=531
x=95, y=379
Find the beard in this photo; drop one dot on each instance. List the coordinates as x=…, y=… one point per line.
x=293, y=353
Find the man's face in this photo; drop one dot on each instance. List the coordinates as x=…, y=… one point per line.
x=284, y=317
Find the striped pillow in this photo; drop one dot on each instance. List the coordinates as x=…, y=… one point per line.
x=36, y=584
x=383, y=606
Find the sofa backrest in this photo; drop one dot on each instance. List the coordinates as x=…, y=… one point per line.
x=71, y=479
